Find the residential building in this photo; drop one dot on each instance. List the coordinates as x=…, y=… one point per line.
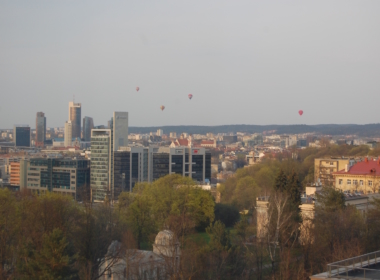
x=325, y=167
x=160, y=132
x=88, y=124
x=63, y=176
x=173, y=135
x=40, y=129
x=75, y=118
x=363, y=177
x=15, y=173
x=21, y=135
x=229, y=139
x=68, y=134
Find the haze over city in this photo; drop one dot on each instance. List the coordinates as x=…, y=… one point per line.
x=250, y=62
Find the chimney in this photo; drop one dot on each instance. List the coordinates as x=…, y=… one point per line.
x=378, y=160
x=366, y=159
x=347, y=168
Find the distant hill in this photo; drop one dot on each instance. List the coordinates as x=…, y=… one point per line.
x=366, y=130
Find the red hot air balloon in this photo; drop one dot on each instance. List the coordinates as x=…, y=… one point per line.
x=137, y=88
x=190, y=96
x=300, y=112
x=162, y=107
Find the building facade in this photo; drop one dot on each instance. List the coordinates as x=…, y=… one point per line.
x=15, y=173
x=325, y=167
x=40, y=129
x=64, y=176
x=186, y=161
x=88, y=124
x=75, y=118
x=68, y=134
x=363, y=177
x=21, y=135
x=100, y=164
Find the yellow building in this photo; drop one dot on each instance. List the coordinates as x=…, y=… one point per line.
x=363, y=177
x=325, y=167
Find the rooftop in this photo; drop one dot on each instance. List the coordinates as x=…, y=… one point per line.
x=366, y=167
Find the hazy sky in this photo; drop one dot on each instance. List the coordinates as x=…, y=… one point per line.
x=245, y=62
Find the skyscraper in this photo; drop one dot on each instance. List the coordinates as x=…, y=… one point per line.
x=75, y=118
x=21, y=135
x=120, y=130
x=68, y=134
x=103, y=144
x=100, y=181
x=88, y=124
x=40, y=129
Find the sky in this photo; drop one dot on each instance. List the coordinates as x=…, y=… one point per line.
x=245, y=62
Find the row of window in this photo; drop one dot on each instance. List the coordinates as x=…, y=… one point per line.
x=355, y=182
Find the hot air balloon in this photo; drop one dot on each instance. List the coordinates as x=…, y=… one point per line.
x=162, y=107
x=300, y=112
x=190, y=96
x=137, y=88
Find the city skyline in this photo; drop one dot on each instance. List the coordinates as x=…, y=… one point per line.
x=253, y=63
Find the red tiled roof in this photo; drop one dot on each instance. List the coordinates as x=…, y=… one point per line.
x=207, y=142
x=183, y=142
x=369, y=167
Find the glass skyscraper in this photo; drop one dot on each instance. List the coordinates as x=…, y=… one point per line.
x=88, y=124
x=40, y=129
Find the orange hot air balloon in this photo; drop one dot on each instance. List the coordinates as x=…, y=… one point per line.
x=137, y=88
x=190, y=96
x=300, y=112
x=162, y=107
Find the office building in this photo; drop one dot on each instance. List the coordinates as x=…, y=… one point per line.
x=64, y=176
x=131, y=165
x=186, y=161
x=160, y=132
x=120, y=129
x=21, y=135
x=68, y=134
x=100, y=163
x=40, y=129
x=88, y=124
x=75, y=118
x=229, y=139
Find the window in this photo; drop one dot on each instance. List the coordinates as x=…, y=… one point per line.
x=331, y=163
x=361, y=182
x=369, y=183
x=348, y=182
x=340, y=181
x=355, y=182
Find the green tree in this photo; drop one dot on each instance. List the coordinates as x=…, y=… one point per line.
x=52, y=261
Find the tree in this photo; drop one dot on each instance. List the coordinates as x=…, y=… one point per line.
x=281, y=181
x=227, y=214
x=52, y=261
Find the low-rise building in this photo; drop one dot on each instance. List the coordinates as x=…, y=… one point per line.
x=363, y=177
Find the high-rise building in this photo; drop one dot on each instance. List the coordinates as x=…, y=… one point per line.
x=120, y=130
x=68, y=134
x=21, y=135
x=64, y=176
x=103, y=144
x=75, y=118
x=100, y=163
x=40, y=129
x=160, y=132
x=88, y=124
